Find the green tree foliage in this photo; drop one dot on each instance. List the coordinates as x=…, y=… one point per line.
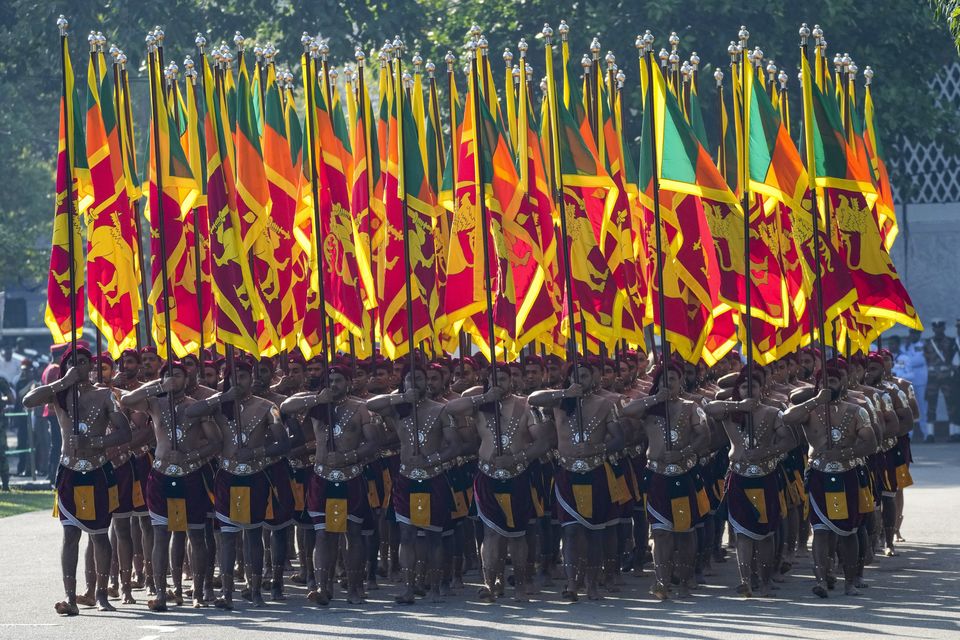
x=900, y=40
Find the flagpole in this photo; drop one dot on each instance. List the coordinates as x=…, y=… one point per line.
x=647, y=51
x=547, y=34
x=62, y=25
x=128, y=119
x=397, y=50
x=94, y=43
x=324, y=51
x=450, y=59
x=310, y=48
x=191, y=74
x=362, y=102
x=152, y=49
x=118, y=60
x=477, y=64
x=817, y=271
x=746, y=322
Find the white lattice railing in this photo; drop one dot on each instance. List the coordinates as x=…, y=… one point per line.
x=935, y=175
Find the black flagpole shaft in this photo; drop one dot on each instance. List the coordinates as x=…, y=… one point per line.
x=558, y=196
x=661, y=304
x=71, y=220
x=485, y=232
x=745, y=320
x=96, y=67
x=157, y=114
x=406, y=244
x=197, y=254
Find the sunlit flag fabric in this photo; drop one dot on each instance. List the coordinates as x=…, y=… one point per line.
x=112, y=287
x=59, y=317
x=171, y=183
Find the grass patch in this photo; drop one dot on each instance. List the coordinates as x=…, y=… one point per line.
x=17, y=502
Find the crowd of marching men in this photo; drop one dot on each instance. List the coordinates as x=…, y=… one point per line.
x=421, y=471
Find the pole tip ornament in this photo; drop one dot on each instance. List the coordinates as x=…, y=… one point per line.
x=450, y=59
x=868, y=74
x=771, y=69
x=158, y=32
x=397, y=45
x=543, y=84
x=743, y=35
x=595, y=47
x=639, y=43
x=62, y=25
x=114, y=52
x=474, y=31
x=348, y=74
x=564, y=30
x=674, y=40
x=522, y=46
x=783, y=78
x=852, y=69
x=621, y=78
x=483, y=45
x=151, y=41
x=674, y=60
x=358, y=55
x=547, y=32
x=258, y=52
x=686, y=70
x=586, y=63
x=610, y=59
x=200, y=41
x=238, y=40
x=417, y=61
x=305, y=41
x=664, y=56
x=648, y=39
x=430, y=68
x=507, y=57
x=515, y=74
x=694, y=60
x=92, y=41
x=732, y=51
x=188, y=64
x=718, y=77
x=334, y=74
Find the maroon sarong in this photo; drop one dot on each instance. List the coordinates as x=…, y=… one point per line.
x=242, y=502
x=755, y=507
x=332, y=505
x=672, y=501
x=584, y=498
x=834, y=501
x=142, y=464
x=506, y=506
x=129, y=491
x=424, y=504
x=298, y=484
x=178, y=503
x=281, y=496
x=86, y=499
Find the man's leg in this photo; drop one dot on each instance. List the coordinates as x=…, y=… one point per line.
x=124, y=553
x=88, y=597
x=572, y=550
x=848, y=548
x=198, y=563
x=766, y=564
x=324, y=559
x=519, y=553
x=407, y=560
x=146, y=529
x=228, y=559
x=354, y=561
x=822, y=543
x=434, y=563
x=491, y=554
x=161, y=557
x=641, y=539
x=888, y=506
x=253, y=552
x=595, y=553
x=663, y=546
x=136, y=542
x=210, y=537
x=178, y=550
x=745, y=552
x=685, y=545
x=610, y=541
x=278, y=550
x=931, y=398
x=68, y=567
x=372, y=550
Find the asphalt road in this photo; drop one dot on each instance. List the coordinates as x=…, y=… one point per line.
x=914, y=595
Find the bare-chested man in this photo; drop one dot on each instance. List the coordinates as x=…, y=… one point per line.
x=673, y=503
x=503, y=487
x=840, y=436
x=149, y=363
x=176, y=494
x=904, y=440
x=588, y=431
x=242, y=496
x=422, y=499
x=86, y=489
x=337, y=492
x=757, y=436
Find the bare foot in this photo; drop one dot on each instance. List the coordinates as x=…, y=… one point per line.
x=570, y=594
x=593, y=593
x=103, y=602
x=372, y=584
x=64, y=608
x=406, y=597
x=86, y=600
x=435, y=595
x=354, y=596
x=445, y=589
x=486, y=595
x=176, y=596
x=889, y=552
x=457, y=584
x=659, y=591
x=198, y=603
x=257, y=600
x=277, y=595
x=223, y=603
x=319, y=598
x=820, y=591
x=851, y=589
x=157, y=604
x=113, y=592
x=128, y=597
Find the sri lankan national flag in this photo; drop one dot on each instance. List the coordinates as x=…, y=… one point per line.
x=885, y=208
x=276, y=253
x=62, y=319
x=692, y=192
x=345, y=277
x=483, y=152
x=605, y=313
x=172, y=194
x=112, y=286
x=849, y=195
x=196, y=148
x=236, y=302
x=406, y=194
